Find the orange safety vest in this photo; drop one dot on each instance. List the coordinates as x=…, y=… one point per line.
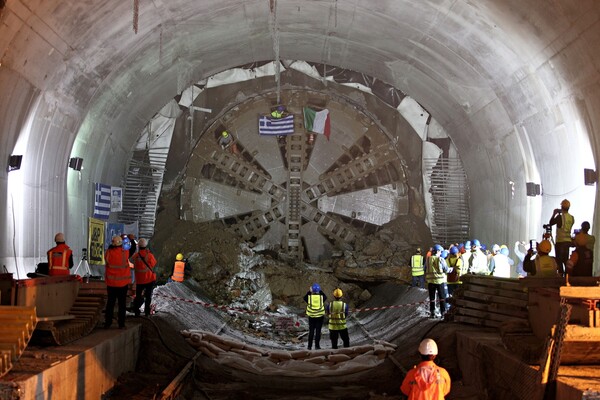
x=58, y=260
x=178, y=271
x=117, y=272
x=144, y=263
x=426, y=381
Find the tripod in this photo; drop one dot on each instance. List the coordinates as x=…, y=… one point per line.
x=83, y=264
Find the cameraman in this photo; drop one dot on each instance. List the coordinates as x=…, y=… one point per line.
x=564, y=223
x=540, y=264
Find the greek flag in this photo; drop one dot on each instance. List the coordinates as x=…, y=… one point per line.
x=276, y=126
x=102, y=201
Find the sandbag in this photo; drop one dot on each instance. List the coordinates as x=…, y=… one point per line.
x=300, y=354
x=336, y=358
x=316, y=360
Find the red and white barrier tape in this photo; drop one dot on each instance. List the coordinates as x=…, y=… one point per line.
x=227, y=308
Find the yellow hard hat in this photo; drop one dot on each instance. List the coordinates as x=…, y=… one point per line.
x=566, y=204
x=224, y=133
x=59, y=237
x=117, y=240
x=544, y=246
x=179, y=257
x=337, y=293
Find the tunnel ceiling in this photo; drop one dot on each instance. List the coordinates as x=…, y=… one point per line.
x=495, y=75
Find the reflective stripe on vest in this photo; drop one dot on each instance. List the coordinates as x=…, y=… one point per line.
x=143, y=270
x=563, y=234
x=416, y=262
x=58, y=260
x=456, y=264
x=337, y=315
x=434, y=273
x=178, y=271
x=545, y=267
x=117, y=267
x=315, y=306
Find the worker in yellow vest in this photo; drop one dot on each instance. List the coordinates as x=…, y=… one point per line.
x=337, y=312
x=417, y=269
x=564, y=223
x=315, y=311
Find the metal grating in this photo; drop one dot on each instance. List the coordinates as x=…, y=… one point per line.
x=449, y=191
x=142, y=188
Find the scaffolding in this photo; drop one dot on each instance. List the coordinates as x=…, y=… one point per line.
x=450, y=199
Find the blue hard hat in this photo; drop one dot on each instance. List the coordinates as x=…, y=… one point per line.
x=444, y=253
x=437, y=248
x=126, y=243
x=504, y=251
x=316, y=288
x=468, y=244
x=476, y=242
x=453, y=250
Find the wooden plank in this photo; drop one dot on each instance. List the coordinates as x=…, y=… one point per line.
x=518, y=312
x=557, y=282
x=488, y=298
x=497, y=292
x=488, y=315
x=580, y=292
x=491, y=281
x=477, y=321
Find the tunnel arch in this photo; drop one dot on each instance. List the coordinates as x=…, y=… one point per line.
x=497, y=76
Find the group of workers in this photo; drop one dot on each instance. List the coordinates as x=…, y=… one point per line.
x=441, y=269
x=425, y=381
x=337, y=314
x=126, y=261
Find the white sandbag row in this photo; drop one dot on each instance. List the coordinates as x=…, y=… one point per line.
x=324, y=362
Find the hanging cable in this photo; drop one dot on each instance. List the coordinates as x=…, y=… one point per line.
x=136, y=13
x=275, y=35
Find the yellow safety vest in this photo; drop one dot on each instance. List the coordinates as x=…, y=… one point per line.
x=545, y=267
x=276, y=114
x=563, y=234
x=435, y=274
x=337, y=315
x=315, y=307
x=416, y=263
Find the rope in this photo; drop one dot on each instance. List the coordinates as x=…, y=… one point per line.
x=242, y=310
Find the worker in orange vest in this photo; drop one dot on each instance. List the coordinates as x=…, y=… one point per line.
x=426, y=381
x=60, y=257
x=145, y=278
x=118, y=278
x=179, y=269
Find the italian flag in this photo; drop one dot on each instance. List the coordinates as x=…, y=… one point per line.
x=317, y=121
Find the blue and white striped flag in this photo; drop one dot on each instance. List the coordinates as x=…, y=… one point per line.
x=102, y=201
x=276, y=126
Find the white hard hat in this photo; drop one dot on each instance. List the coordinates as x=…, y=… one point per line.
x=428, y=347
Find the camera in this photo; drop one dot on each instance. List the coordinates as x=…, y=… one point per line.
x=532, y=246
x=547, y=230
